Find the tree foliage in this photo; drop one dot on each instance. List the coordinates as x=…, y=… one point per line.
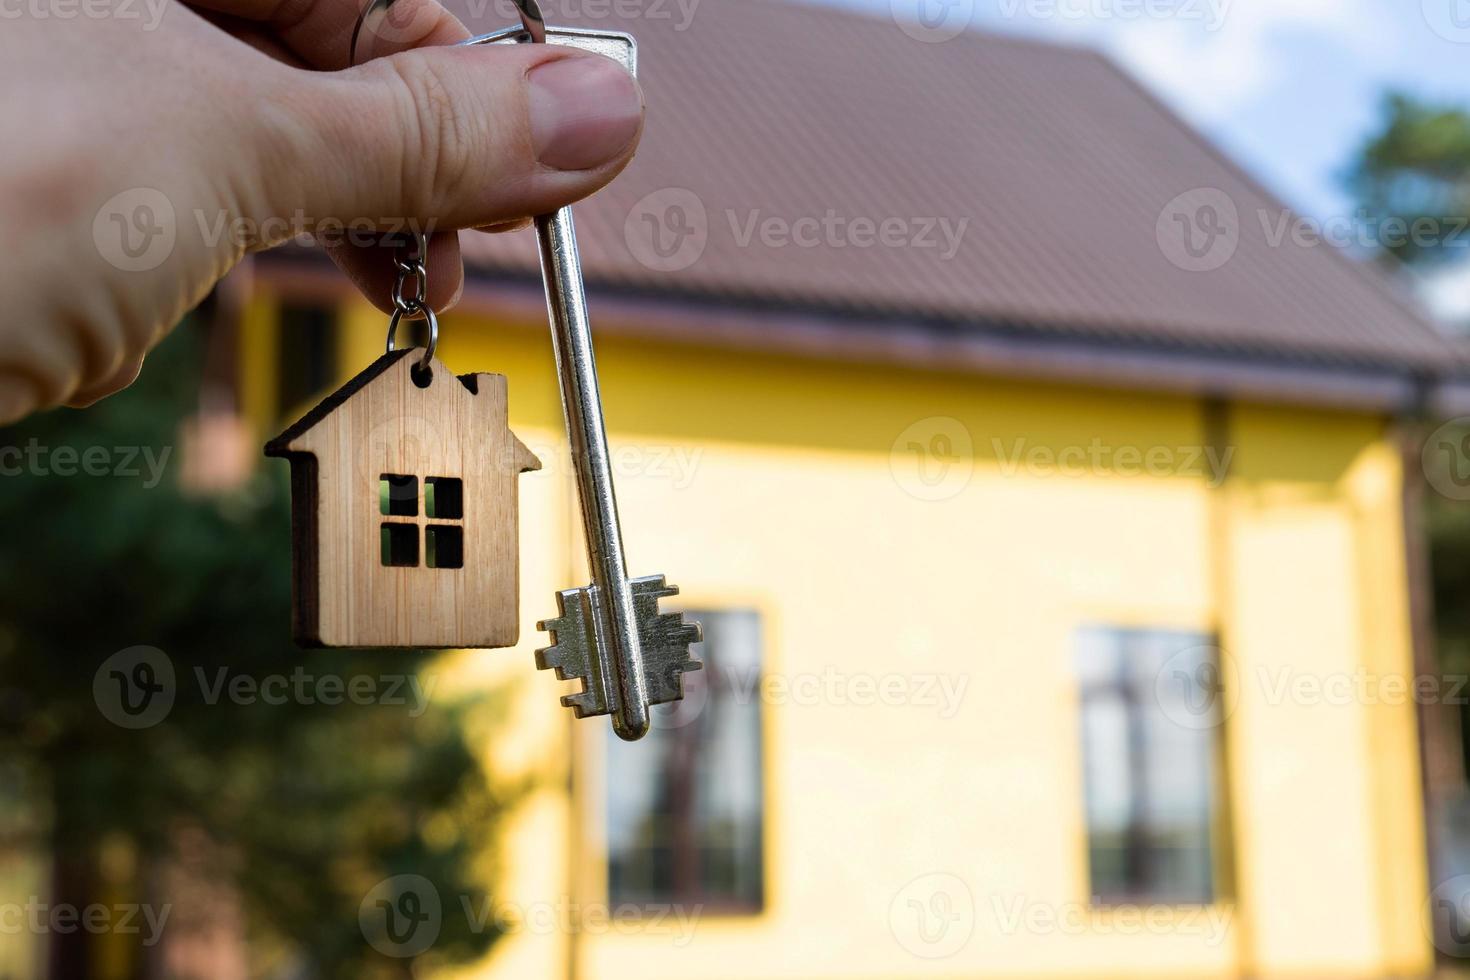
x=1415, y=166
x=306, y=805
x=1414, y=170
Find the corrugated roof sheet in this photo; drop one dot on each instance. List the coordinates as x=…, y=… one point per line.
x=1059, y=169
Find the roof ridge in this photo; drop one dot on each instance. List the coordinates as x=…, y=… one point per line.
x=280, y=445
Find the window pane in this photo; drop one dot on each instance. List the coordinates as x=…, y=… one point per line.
x=398, y=495
x=1149, y=699
x=444, y=498
x=400, y=545
x=685, y=804
x=444, y=546
x=307, y=362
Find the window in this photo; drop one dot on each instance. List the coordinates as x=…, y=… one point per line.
x=307, y=363
x=398, y=496
x=1151, y=710
x=685, y=804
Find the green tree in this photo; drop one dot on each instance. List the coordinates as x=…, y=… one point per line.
x=1412, y=176
x=1415, y=167
x=304, y=806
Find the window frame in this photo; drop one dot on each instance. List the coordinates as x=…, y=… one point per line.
x=590, y=784
x=1217, y=826
x=423, y=523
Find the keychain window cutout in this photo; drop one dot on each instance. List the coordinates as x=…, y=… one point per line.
x=444, y=498
x=401, y=545
x=398, y=496
x=444, y=546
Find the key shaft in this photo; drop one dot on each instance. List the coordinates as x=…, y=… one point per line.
x=610, y=635
x=566, y=301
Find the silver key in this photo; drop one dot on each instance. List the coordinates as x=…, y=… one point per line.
x=610, y=635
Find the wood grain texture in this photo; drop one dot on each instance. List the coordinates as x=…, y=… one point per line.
x=382, y=422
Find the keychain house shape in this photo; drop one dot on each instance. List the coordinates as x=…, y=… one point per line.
x=404, y=510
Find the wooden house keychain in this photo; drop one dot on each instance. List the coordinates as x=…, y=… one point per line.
x=404, y=492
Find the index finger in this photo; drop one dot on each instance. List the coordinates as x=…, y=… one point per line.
x=319, y=32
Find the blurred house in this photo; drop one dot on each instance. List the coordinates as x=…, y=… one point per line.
x=1042, y=497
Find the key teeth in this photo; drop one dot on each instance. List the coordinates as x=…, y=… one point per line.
x=664, y=637
x=582, y=705
x=568, y=654
x=666, y=640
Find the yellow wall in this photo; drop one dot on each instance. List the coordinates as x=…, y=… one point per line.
x=788, y=486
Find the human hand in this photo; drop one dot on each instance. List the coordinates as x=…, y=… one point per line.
x=152, y=145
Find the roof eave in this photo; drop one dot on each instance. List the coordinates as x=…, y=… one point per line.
x=1268, y=377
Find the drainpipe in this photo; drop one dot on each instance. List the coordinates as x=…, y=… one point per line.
x=1441, y=758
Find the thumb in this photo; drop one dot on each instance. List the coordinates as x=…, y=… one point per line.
x=451, y=137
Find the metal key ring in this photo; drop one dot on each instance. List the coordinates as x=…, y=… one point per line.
x=532, y=21
x=428, y=314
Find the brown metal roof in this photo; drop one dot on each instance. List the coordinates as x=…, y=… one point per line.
x=1061, y=167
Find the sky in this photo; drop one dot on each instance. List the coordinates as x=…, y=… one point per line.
x=1288, y=88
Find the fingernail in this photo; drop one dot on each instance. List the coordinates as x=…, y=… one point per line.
x=584, y=111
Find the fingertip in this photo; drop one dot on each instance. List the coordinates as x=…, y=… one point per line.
x=371, y=270
x=120, y=379
x=17, y=399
